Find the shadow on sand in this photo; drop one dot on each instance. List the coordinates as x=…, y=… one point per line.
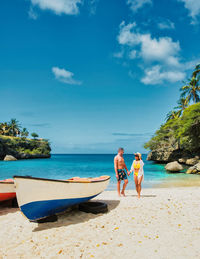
x=142, y=195
x=8, y=207
x=75, y=216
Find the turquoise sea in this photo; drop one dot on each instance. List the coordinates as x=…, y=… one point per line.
x=66, y=166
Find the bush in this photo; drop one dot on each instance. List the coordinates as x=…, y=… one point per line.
x=183, y=132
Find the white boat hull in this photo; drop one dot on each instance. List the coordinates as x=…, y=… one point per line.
x=39, y=198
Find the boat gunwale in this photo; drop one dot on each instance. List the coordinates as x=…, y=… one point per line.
x=61, y=181
x=2, y=182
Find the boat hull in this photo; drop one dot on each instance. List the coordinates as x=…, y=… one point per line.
x=39, y=198
x=7, y=190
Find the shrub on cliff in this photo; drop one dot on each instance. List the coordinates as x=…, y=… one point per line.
x=17, y=147
x=179, y=133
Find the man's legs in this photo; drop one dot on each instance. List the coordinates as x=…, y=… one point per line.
x=124, y=187
x=118, y=188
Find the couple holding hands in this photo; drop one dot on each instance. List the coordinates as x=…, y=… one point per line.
x=136, y=168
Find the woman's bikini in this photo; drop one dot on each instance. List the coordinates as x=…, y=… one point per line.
x=136, y=166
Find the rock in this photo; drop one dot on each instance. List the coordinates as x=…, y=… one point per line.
x=182, y=160
x=167, y=155
x=192, y=161
x=174, y=167
x=9, y=158
x=194, y=169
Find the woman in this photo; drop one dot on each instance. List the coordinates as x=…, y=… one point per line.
x=137, y=168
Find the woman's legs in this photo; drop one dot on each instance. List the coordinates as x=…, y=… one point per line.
x=136, y=182
x=139, y=185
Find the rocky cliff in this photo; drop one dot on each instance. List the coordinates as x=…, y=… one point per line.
x=177, y=139
x=23, y=148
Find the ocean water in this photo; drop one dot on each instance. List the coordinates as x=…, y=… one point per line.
x=66, y=166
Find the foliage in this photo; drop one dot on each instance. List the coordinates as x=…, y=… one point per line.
x=34, y=135
x=183, y=131
x=13, y=129
x=191, y=90
x=22, y=146
x=182, y=127
x=24, y=133
x=14, y=141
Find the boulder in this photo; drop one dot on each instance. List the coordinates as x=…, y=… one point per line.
x=192, y=161
x=182, y=160
x=194, y=169
x=174, y=167
x=9, y=158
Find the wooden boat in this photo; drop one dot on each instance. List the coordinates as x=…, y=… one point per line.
x=40, y=198
x=7, y=190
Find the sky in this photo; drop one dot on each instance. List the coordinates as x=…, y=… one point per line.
x=95, y=75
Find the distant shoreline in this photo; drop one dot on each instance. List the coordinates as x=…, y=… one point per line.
x=93, y=154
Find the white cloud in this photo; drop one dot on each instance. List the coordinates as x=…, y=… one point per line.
x=93, y=6
x=32, y=14
x=133, y=54
x=166, y=25
x=193, y=7
x=126, y=35
x=118, y=54
x=190, y=64
x=69, y=7
x=137, y=4
x=163, y=49
x=65, y=76
x=159, y=57
x=155, y=75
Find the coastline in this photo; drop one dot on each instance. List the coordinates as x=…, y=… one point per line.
x=147, y=227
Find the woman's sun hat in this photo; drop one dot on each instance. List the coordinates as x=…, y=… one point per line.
x=138, y=154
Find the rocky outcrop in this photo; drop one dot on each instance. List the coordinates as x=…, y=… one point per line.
x=32, y=156
x=177, y=139
x=168, y=155
x=21, y=148
x=174, y=167
x=9, y=158
x=192, y=161
x=194, y=169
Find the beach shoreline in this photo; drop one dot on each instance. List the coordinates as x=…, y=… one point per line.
x=164, y=223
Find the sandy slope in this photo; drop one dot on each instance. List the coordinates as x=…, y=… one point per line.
x=164, y=223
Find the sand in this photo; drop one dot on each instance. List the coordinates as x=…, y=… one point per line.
x=164, y=223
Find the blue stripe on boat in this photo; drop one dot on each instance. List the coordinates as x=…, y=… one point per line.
x=41, y=209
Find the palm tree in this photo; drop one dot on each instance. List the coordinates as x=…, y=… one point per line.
x=196, y=72
x=4, y=129
x=14, y=127
x=192, y=88
x=182, y=105
x=173, y=115
x=24, y=133
x=34, y=135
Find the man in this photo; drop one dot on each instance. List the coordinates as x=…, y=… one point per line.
x=119, y=166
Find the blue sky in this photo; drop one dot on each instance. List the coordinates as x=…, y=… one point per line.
x=94, y=75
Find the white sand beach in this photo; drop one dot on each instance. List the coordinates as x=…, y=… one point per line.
x=164, y=223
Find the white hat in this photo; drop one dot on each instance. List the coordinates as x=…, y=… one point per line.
x=139, y=154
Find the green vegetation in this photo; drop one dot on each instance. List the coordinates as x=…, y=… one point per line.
x=182, y=127
x=183, y=132
x=13, y=129
x=34, y=135
x=14, y=141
